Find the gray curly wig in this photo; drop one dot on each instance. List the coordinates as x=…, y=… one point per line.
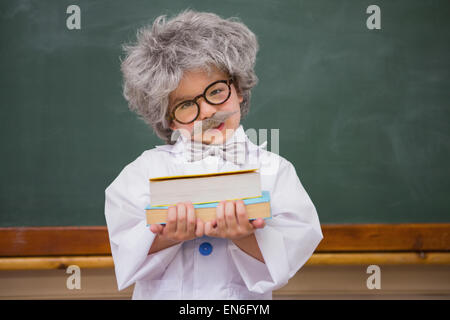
x=154, y=66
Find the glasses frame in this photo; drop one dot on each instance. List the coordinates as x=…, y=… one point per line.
x=228, y=82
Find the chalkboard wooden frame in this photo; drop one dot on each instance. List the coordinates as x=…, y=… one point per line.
x=94, y=241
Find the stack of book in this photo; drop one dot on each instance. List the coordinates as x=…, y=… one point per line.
x=205, y=191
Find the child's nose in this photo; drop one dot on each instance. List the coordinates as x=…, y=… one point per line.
x=206, y=110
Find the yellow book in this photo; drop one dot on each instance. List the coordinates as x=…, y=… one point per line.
x=201, y=175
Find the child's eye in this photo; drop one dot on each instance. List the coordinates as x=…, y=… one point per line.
x=216, y=91
x=186, y=105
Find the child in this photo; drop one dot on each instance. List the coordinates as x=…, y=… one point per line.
x=190, y=79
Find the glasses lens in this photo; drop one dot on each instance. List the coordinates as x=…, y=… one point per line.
x=186, y=112
x=217, y=93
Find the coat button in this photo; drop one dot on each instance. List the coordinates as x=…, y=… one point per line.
x=205, y=248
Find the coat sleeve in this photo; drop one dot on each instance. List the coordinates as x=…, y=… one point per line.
x=130, y=238
x=287, y=241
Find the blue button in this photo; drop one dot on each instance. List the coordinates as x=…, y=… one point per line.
x=205, y=248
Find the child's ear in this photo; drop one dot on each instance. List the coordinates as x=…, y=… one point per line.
x=239, y=95
x=172, y=124
x=241, y=98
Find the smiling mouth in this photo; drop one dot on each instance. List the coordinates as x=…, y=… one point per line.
x=220, y=126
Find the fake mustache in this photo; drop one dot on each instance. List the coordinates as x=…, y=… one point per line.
x=214, y=121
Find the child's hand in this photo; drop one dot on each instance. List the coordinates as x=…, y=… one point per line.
x=232, y=221
x=182, y=224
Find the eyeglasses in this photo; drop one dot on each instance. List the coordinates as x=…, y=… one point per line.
x=216, y=93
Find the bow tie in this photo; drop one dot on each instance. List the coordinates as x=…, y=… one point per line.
x=232, y=151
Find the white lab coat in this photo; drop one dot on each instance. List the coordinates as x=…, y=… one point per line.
x=182, y=271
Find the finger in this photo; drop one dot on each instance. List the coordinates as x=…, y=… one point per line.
x=171, y=225
x=199, y=228
x=209, y=230
x=220, y=217
x=181, y=218
x=156, y=228
x=191, y=219
x=258, y=223
x=230, y=215
x=241, y=213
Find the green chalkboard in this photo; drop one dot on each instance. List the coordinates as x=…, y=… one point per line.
x=364, y=115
